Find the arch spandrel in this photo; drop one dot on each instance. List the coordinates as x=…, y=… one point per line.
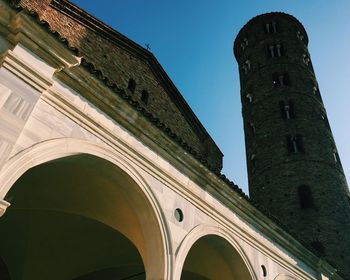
x=155, y=238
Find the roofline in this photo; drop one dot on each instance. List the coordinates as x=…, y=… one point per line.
x=107, y=32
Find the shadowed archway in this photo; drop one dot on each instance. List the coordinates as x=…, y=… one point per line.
x=212, y=257
x=79, y=217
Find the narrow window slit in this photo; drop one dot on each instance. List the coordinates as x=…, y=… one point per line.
x=132, y=85
x=145, y=97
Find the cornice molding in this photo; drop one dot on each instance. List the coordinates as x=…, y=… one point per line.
x=30, y=34
x=15, y=64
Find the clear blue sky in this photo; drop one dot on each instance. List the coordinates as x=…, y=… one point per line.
x=193, y=39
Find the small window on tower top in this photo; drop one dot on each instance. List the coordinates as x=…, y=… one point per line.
x=271, y=27
x=300, y=36
x=244, y=43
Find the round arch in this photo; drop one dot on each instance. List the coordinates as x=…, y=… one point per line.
x=158, y=261
x=205, y=231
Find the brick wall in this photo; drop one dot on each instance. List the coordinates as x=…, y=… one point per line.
x=119, y=60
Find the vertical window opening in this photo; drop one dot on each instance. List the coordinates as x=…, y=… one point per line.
x=145, y=96
x=132, y=85
x=264, y=271
x=305, y=197
x=244, y=43
x=271, y=27
x=280, y=80
x=253, y=160
x=275, y=51
x=246, y=66
x=271, y=51
x=336, y=157
x=249, y=97
x=287, y=110
x=306, y=59
x=252, y=127
x=279, y=50
x=274, y=27
x=316, y=90
x=300, y=36
x=325, y=119
x=295, y=144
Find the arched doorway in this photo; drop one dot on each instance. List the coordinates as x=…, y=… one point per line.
x=80, y=217
x=212, y=257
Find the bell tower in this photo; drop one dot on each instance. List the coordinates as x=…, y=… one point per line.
x=294, y=169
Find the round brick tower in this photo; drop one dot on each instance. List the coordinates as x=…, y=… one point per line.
x=293, y=166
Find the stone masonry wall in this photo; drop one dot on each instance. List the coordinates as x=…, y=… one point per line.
x=293, y=166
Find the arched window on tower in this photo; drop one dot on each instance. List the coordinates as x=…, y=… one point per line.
x=336, y=156
x=315, y=90
x=275, y=51
x=300, y=36
x=295, y=144
x=246, y=66
x=305, y=197
x=253, y=161
x=252, y=127
x=249, y=97
x=287, y=110
x=280, y=79
x=306, y=59
x=244, y=43
x=271, y=27
x=132, y=85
